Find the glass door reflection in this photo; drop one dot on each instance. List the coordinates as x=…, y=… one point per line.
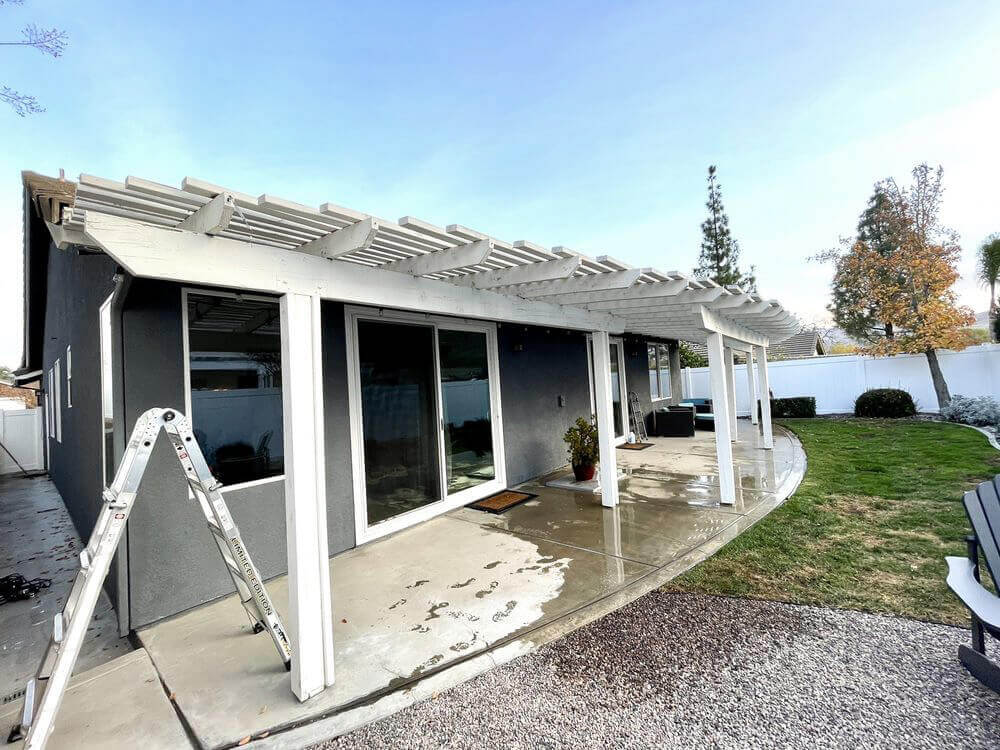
x=465, y=409
x=399, y=416
x=616, y=389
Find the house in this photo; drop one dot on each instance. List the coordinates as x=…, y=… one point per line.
x=805, y=343
x=346, y=376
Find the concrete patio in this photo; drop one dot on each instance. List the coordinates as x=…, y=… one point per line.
x=436, y=604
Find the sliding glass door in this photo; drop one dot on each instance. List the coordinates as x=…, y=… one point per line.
x=425, y=417
x=465, y=408
x=398, y=405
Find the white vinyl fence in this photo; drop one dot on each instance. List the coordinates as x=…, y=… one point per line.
x=21, y=434
x=837, y=381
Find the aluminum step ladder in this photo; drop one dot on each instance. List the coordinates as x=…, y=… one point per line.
x=635, y=415
x=44, y=693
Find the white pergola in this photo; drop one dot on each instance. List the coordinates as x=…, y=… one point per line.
x=205, y=234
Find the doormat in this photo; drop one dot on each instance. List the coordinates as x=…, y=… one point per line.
x=635, y=446
x=501, y=501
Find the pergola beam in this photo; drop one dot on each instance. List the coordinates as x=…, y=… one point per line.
x=440, y=261
x=548, y=270
x=350, y=239
x=213, y=217
x=553, y=291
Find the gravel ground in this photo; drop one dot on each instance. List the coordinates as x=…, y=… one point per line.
x=691, y=670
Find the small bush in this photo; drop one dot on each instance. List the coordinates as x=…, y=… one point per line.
x=795, y=407
x=983, y=411
x=885, y=403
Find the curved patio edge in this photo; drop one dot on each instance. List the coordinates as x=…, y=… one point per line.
x=380, y=705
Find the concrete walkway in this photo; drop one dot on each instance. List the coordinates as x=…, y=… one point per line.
x=680, y=670
x=442, y=602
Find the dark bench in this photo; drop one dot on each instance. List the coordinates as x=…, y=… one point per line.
x=673, y=421
x=982, y=505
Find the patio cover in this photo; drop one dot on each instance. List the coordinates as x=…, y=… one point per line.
x=634, y=300
x=204, y=234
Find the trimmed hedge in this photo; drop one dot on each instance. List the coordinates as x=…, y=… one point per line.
x=795, y=407
x=885, y=403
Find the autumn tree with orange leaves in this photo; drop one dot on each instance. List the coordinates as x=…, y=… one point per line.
x=905, y=281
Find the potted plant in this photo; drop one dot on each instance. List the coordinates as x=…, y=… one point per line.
x=583, y=451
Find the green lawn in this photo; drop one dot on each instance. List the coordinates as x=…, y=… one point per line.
x=879, y=508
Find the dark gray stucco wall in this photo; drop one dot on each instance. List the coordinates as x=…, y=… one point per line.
x=537, y=366
x=173, y=561
x=77, y=285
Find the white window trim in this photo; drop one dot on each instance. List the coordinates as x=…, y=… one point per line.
x=362, y=531
x=50, y=419
x=102, y=345
x=57, y=398
x=185, y=291
x=69, y=377
x=623, y=385
x=659, y=383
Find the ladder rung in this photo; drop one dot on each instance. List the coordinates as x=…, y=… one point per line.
x=85, y=560
x=57, y=628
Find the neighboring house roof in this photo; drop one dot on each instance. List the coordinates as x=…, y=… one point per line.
x=802, y=344
x=277, y=246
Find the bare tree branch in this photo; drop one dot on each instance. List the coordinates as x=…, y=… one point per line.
x=21, y=103
x=47, y=41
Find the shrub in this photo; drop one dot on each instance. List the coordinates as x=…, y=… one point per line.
x=797, y=406
x=983, y=411
x=581, y=440
x=885, y=403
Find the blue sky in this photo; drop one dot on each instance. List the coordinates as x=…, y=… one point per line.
x=585, y=125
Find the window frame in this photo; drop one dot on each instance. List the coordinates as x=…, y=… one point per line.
x=185, y=293
x=363, y=531
x=659, y=382
x=69, y=377
x=57, y=397
x=50, y=419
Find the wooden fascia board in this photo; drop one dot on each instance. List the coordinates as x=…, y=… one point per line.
x=186, y=257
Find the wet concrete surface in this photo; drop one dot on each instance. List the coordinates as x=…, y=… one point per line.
x=38, y=540
x=459, y=593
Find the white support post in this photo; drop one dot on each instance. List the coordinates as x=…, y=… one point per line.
x=605, y=419
x=310, y=615
x=731, y=393
x=720, y=408
x=765, y=396
x=752, y=386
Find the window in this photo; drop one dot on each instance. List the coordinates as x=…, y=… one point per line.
x=107, y=393
x=57, y=398
x=659, y=371
x=50, y=407
x=69, y=378
x=234, y=384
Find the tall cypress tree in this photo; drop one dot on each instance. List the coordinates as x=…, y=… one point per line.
x=720, y=253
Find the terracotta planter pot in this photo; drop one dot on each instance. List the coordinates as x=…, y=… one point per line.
x=583, y=472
